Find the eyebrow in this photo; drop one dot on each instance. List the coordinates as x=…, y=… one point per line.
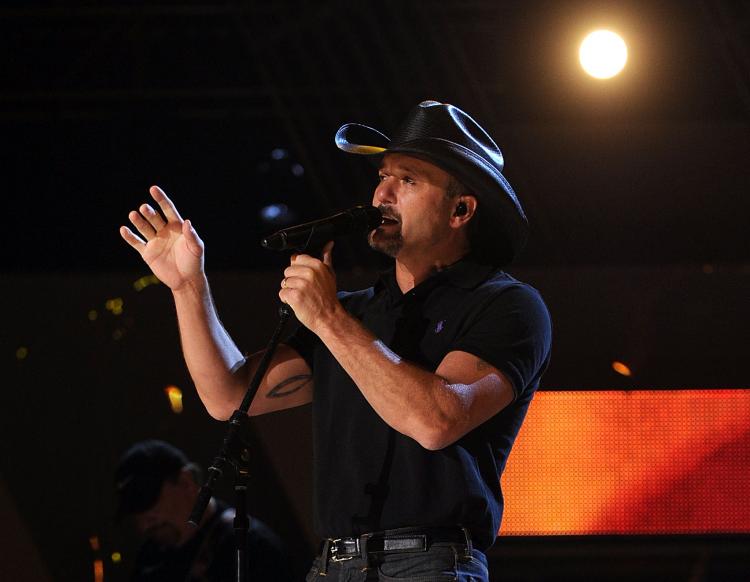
x=403, y=168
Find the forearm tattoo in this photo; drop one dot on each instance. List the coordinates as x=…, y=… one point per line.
x=289, y=386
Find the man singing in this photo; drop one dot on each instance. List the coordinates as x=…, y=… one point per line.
x=420, y=383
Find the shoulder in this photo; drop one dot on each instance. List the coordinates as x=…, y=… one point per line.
x=502, y=291
x=508, y=325
x=504, y=311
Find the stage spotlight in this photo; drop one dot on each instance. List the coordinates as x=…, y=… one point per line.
x=603, y=54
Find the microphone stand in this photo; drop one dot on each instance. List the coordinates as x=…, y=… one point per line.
x=235, y=451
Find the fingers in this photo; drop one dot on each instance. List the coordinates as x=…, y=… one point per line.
x=306, y=260
x=154, y=218
x=148, y=221
x=298, y=272
x=328, y=254
x=284, y=295
x=134, y=241
x=297, y=275
x=305, y=266
x=166, y=205
x=144, y=227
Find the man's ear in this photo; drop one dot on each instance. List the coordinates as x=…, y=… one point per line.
x=466, y=206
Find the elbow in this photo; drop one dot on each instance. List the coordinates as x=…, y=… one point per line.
x=436, y=436
x=435, y=442
x=219, y=410
x=219, y=403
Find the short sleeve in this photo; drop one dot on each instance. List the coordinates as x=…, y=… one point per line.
x=512, y=331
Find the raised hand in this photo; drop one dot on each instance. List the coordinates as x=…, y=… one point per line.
x=168, y=244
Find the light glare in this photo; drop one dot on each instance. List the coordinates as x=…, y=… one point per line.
x=603, y=54
x=174, y=394
x=143, y=282
x=114, y=305
x=98, y=571
x=622, y=369
x=275, y=213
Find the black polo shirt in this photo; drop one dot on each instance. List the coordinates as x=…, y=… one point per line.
x=368, y=477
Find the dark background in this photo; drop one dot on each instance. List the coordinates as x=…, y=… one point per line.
x=636, y=189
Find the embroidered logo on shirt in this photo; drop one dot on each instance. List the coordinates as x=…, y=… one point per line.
x=439, y=326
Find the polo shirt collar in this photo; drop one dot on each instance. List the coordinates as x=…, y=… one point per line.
x=465, y=273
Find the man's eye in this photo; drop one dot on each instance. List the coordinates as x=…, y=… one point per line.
x=408, y=179
x=381, y=177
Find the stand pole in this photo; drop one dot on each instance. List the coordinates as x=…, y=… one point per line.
x=241, y=528
x=236, y=450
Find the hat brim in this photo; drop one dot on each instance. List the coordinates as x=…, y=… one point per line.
x=496, y=196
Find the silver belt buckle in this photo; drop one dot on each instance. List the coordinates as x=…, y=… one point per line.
x=334, y=550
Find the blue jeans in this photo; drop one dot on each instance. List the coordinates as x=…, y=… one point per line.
x=442, y=562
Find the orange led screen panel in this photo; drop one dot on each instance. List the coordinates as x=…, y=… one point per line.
x=631, y=462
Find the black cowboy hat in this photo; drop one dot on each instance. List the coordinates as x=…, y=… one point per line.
x=448, y=137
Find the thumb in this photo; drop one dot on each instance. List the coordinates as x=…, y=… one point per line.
x=328, y=254
x=194, y=243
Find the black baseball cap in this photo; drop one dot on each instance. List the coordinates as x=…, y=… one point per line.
x=140, y=473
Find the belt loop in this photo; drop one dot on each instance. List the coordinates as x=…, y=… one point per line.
x=324, y=557
x=363, y=547
x=469, y=546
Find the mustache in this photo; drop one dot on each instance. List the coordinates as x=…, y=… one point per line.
x=389, y=212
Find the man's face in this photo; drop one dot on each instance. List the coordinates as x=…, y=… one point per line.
x=412, y=197
x=165, y=523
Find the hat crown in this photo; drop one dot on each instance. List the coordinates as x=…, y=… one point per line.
x=432, y=120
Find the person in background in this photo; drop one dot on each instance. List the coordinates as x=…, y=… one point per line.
x=156, y=487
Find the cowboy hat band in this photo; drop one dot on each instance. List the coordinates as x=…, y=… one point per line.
x=448, y=137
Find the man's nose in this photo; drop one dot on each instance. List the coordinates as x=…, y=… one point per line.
x=384, y=193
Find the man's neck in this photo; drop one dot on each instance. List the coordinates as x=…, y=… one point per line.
x=409, y=274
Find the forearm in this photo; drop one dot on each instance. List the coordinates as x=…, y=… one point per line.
x=414, y=401
x=212, y=358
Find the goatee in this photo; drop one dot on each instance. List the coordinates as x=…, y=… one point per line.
x=387, y=244
x=382, y=239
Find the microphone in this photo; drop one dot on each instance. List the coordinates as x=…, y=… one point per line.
x=360, y=219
